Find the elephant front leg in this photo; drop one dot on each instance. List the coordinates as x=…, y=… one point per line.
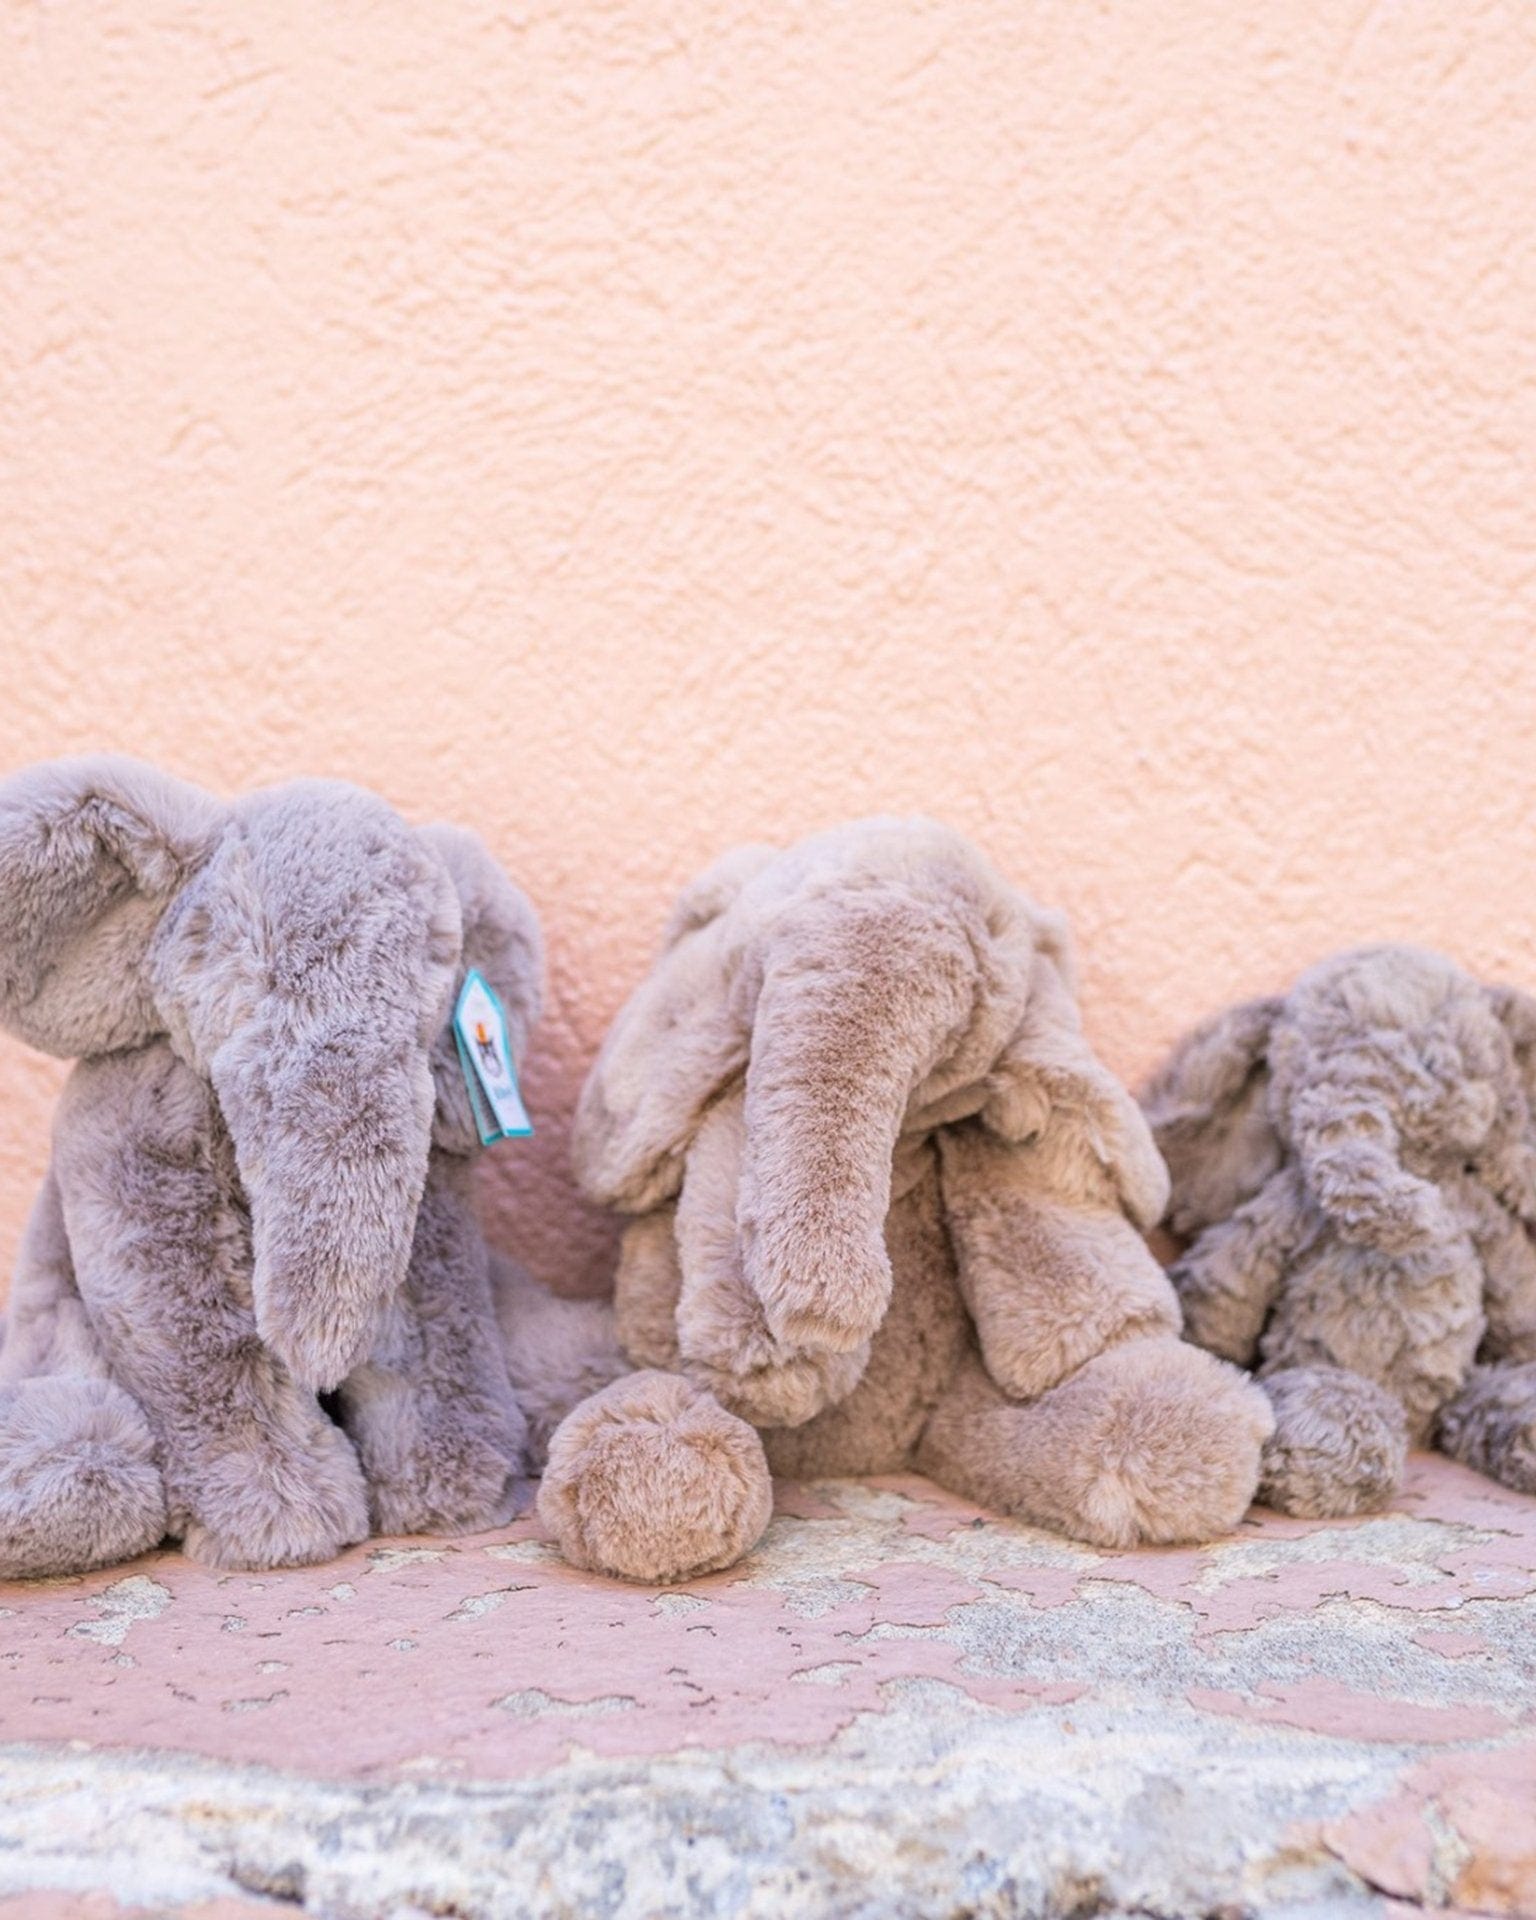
x=1153, y=1442
x=255, y=1474
x=1491, y=1424
x=79, y=1482
x=653, y=1480
x=79, y=1487
x=1338, y=1446
x=1229, y=1278
x=432, y=1413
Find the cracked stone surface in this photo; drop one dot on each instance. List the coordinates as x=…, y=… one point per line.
x=899, y=1705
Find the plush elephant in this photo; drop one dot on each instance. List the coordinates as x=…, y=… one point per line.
x=887, y=1214
x=1354, y=1173
x=259, y=1190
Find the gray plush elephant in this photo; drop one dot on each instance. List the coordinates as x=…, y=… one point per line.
x=259, y=1186
x=1354, y=1172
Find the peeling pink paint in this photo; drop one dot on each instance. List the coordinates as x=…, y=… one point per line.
x=932, y=1513
x=911, y=1594
x=1432, y=1484
x=1043, y=1586
x=490, y=1657
x=1450, y=1645
x=1405, y=1910
x=1497, y=1569
x=1486, y=1800
x=1317, y=1705
x=794, y=1501
x=1248, y=1602
x=1499, y=1564
x=1388, y=1844
x=398, y=1653
x=52, y=1905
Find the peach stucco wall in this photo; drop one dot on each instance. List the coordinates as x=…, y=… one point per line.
x=632, y=428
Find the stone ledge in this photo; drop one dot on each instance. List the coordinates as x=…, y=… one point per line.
x=897, y=1706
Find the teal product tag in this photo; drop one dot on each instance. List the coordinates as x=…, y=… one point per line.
x=485, y=1054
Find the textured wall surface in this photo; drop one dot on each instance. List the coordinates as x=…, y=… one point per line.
x=632, y=429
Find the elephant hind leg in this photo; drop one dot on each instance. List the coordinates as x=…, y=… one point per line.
x=79, y=1487
x=653, y=1480
x=1338, y=1446
x=1151, y=1442
x=1491, y=1424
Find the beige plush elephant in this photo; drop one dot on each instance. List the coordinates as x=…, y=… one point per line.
x=888, y=1213
x=1354, y=1173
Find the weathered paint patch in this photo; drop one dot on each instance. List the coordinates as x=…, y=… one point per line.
x=1450, y=1644
x=438, y=1645
x=1459, y=1826
x=44, y=1904
x=1322, y=1706
x=122, y=1605
x=1338, y=1660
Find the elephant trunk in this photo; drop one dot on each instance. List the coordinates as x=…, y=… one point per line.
x=856, y=1008
x=332, y=1131
x=1350, y=1157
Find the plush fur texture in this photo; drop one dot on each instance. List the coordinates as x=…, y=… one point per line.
x=259, y=1187
x=888, y=1212
x=558, y=1352
x=1354, y=1171
x=652, y=1479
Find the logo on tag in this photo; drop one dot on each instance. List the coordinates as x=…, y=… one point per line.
x=485, y=1054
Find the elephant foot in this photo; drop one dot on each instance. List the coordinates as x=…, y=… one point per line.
x=436, y=1465
x=1338, y=1446
x=652, y=1480
x=79, y=1487
x=1154, y=1442
x=290, y=1500
x=480, y=1497
x=1491, y=1425
x=1174, y=1439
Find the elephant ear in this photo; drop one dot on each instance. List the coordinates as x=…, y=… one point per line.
x=1086, y=1137
x=1507, y=1163
x=92, y=852
x=1515, y=1011
x=678, y=1040
x=1209, y=1112
x=711, y=893
x=501, y=940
